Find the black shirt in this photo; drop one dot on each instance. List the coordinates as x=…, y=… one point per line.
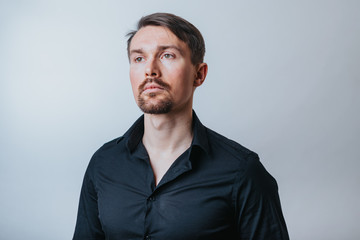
x=216, y=189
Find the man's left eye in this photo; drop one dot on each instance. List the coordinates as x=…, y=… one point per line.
x=167, y=55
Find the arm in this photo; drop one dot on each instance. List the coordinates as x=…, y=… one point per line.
x=88, y=226
x=257, y=205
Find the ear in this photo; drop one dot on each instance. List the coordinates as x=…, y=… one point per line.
x=201, y=73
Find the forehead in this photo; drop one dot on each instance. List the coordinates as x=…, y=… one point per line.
x=154, y=36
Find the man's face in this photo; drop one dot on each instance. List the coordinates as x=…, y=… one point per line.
x=161, y=72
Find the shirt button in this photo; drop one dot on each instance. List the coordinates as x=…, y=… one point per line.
x=152, y=198
x=147, y=237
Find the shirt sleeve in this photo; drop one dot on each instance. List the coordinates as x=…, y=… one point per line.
x=88, y=226
x=257, y=205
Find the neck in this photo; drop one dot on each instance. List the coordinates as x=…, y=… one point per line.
x=168, y=132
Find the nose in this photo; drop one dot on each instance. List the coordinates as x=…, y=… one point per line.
x=152, y=68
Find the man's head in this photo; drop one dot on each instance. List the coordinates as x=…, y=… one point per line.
x=165, y=66
x=183, y=29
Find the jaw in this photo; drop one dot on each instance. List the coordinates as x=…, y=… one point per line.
x=155, y=103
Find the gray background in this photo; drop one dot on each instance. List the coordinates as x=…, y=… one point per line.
x=283, y=80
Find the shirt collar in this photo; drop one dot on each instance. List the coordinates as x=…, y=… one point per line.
x=200, y=134
x=135, y=133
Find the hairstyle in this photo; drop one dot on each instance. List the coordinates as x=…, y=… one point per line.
x=183, y=29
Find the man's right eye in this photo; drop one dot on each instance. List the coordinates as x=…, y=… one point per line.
x=138, y=59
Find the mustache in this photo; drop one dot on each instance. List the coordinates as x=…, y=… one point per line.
x=158, y=81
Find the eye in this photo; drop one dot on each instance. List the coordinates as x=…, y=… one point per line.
x=167, y=56
x=138, y=59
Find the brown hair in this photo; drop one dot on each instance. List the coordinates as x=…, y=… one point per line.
x=183, y=29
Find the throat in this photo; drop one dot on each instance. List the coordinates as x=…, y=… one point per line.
x=162, y=160
x=165, y=138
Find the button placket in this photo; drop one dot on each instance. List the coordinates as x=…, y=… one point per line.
x=149, y=206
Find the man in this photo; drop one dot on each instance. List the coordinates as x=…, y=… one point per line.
x=169, y=177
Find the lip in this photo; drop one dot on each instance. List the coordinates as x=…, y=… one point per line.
x=152, y=88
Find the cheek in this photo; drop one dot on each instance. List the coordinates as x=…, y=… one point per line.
x=182, y=73
x=183, y=87
x=135, y=80
x=185, y=78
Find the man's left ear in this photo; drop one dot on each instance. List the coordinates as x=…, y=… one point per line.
x=201, y=73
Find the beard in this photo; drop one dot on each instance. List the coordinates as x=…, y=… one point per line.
x=155, y=103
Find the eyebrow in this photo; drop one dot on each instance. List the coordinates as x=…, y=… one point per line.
x=159, y=48
x=162, y=48
x=140, y=50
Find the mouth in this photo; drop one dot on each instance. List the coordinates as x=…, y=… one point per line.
x=150, y=88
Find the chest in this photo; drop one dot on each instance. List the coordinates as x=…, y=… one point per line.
x=186, y=205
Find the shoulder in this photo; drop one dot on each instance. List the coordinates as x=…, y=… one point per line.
x=108, y=151
x=109, y=147
x=111, y=144
x=223, y=145
x=249, y=168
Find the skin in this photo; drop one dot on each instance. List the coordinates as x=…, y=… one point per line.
x=161, y=72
